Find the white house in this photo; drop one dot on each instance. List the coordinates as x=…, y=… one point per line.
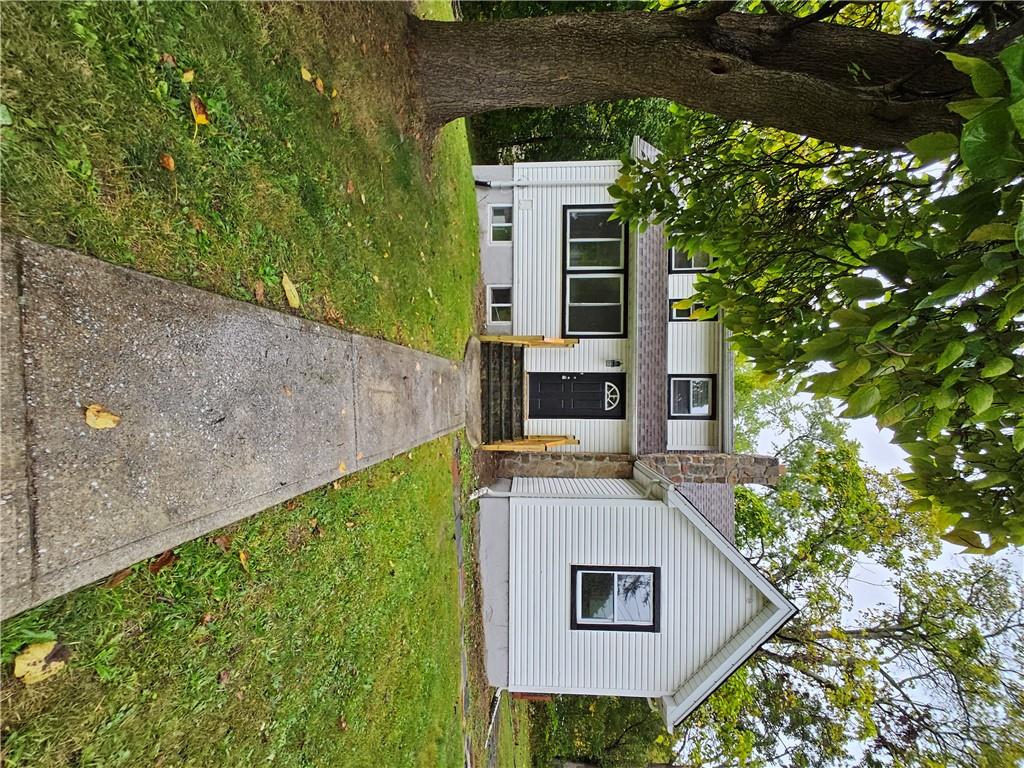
x=616, y=587
x=585, y=302
x=624, y=585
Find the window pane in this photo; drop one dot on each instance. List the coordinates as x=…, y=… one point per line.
x=700, y=397
x=634, y=598
x=501, y=314
x=701, y=260
x=600, y=253
x=501, y=234
x=595, y=290
x=501, y=295
x=681, y=397
x=595, y=319
x=681, y=259
x=678, y=314
x=501, y=214
x=593, y=223
x=596, y=595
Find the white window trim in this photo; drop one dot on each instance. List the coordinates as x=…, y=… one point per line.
x=491, y=303
x=569, y=239
x=490, y=224
x=620, y=304
x=683, y=270
x=580, y=619
x=712, y=413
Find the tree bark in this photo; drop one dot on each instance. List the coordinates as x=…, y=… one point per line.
x=850, y=86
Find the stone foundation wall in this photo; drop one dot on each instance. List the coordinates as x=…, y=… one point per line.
x=556, y=464
x=735, y=469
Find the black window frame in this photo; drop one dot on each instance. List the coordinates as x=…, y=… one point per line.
x=713, y=410
x=618, y=272
x=673, y=270
x=689, y=311
x=654, y=626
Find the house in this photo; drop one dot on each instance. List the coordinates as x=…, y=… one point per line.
x=581, y=307
x=606, y=555
x=616, y=587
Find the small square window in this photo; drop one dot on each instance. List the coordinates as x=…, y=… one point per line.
x=501, y=223
x=681, y=260
x=499, y=303
x=615, y=598
x=692, y=397
x=676, y=315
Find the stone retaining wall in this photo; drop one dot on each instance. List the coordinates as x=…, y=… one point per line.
x=555, y=464
x=735, y=469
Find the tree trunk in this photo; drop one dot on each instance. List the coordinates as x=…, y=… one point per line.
x=850, y=86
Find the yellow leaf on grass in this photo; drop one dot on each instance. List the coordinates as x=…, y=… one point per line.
x=289, y=291
x=319, y=85
x=188, y=76
x=243, y=558
x=98, y=417
x=199, y=113
x=167, y=162
x=334, y=93
x=306, y=74
x=39, y=661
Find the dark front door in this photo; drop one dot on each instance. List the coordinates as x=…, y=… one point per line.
x=577, y=396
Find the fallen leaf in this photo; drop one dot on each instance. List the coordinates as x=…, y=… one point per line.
x=350, y=525
x=375, y=278
x=289, y=291
x=306, y=74
x=98, y=417
x=188, y=76
x=342, y=467
x=208, y=618
x=334, y=93
x=166, y=559
x=350, y=187
x=117, y=578
x=259, y=290
x=167, y=162
x=223, y=543
x=319, y=85
x=362, y=197
x=168, y=60
x=39, y=661
x=342, y=724
x=336, y=485
x=199, y=113
x=243, y=558
x=291, y=505
x=223, y=677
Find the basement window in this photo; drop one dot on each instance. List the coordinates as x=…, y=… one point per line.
x=692, y=397
x=501, y=223
x=615, y=598
x=499, y=303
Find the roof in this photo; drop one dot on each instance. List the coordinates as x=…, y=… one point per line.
x=777, y=611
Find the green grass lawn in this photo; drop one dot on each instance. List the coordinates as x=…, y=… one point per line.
x=340, y=645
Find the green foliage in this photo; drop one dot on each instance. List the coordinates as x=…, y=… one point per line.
x=893, y=282
x=604, y=731
x=580, y=132
x=928, y=677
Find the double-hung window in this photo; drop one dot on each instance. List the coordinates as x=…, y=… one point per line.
x=499, y=303
x=615, y=598
x=595, y=273
x=501, y=223
x=692, y=397
x=681, y=260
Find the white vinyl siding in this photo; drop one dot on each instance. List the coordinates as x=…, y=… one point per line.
x=565, y=487
x=537, y=291
x=694, y=348
x=705, y=600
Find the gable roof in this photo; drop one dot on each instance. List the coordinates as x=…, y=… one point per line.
x=777, y=610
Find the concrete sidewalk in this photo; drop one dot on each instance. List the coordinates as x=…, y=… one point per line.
x=226, y=409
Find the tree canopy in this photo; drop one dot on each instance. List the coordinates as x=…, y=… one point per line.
x=891, y=280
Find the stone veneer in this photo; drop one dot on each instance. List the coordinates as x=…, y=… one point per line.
x=703, y=467
x=734, y=469
x=558, y=464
